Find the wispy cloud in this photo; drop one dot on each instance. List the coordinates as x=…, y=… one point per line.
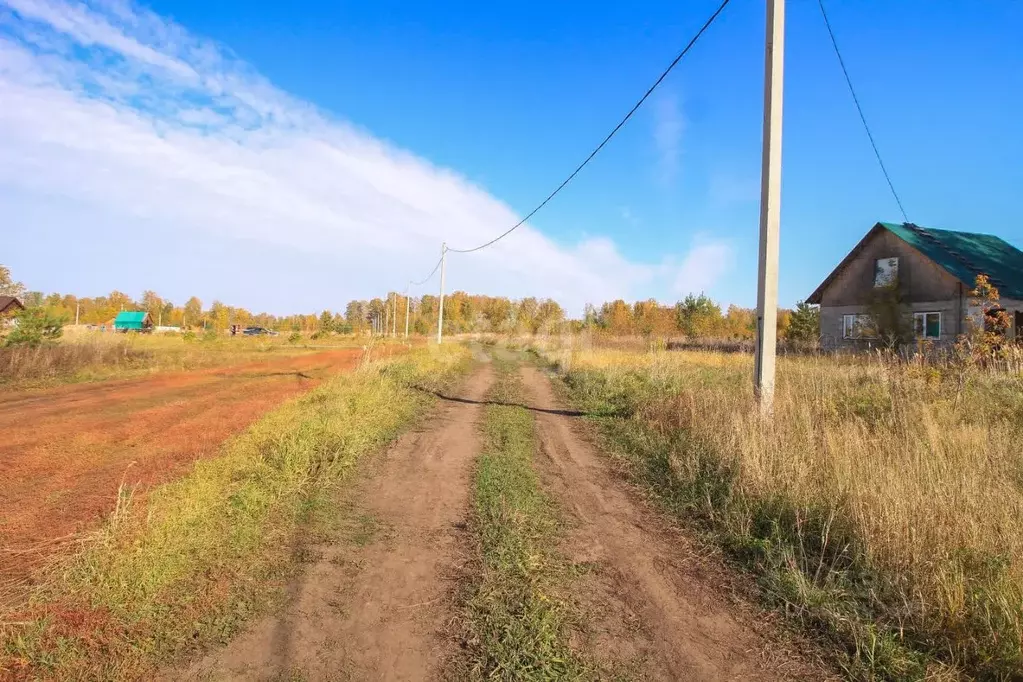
x=669, y=125
x=703, y=266
x=134, y=119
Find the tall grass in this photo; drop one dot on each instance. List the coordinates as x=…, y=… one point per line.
x=209, y=550
x=882, y=504
x=19, y=364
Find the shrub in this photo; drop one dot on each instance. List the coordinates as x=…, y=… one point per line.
x=34, y=327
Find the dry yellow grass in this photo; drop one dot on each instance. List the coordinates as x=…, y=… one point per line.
x=897, y=500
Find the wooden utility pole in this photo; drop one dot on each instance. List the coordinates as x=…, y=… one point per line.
x=440, y=308
x=770, y=207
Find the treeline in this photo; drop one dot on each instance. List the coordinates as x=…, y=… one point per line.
x=696, y=316
x=462, y=313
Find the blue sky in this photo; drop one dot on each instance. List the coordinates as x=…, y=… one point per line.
x=291, y=159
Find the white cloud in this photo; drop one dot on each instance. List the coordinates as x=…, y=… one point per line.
x=116, y=110
x=669, y=125
x=705, y=263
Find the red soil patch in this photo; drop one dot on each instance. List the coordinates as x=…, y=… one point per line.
x=65, y=451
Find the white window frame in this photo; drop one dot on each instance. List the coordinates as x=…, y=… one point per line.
x=922, y=315
x=892, y=269
x=849, y=323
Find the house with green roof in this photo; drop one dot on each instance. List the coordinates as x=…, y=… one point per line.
x=926, y=275
x=133, y=321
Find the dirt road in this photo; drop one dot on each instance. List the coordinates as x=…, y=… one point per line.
x=378, y=599
x=65, y=451
x=652, y=603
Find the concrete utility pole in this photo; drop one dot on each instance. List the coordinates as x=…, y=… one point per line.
x=770, y=208
x=78, y=309
x=440, y=309
x=394, y=316
x=407, y=300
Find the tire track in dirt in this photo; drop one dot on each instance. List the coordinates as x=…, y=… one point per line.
x=651, y=604
x=378, y=599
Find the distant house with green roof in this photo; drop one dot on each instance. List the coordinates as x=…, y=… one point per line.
x=133, y=321
x=927, y=273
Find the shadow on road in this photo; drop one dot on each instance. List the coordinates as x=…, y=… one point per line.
x=455, y=399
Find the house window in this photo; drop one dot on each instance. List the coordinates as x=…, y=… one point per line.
x=927, y=325
x=886, y=271
x=858, y=327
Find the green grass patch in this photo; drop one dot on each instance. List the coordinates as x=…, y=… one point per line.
x=215, y=547
x=517, y=625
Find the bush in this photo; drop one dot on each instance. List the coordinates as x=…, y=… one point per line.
x=34, y=327
x=295, y=337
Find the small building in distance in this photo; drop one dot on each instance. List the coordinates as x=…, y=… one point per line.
x=929, y=272
x=9, y=306
x=133, y=321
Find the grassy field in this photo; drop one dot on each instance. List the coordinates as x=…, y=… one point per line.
x=87, y=356
x=517, y=625
x=882, y=506
x=209, y=550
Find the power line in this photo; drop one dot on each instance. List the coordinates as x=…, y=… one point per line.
x=428, y=277
x=607, y=139
x=863, y=118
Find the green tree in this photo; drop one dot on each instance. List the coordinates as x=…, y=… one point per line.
x=804, y=323
x=34, y=327
x=698, y=316
x=326, y=321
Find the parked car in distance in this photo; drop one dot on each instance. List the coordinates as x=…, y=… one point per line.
x=258, y=331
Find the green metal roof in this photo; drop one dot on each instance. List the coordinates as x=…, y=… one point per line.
x=964, y=255
x=132, y=319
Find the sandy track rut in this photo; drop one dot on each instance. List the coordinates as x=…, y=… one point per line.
x=382, y=610
x=651, y=603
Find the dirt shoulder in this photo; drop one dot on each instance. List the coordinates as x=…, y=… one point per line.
x=376, y=601
x=66, y=451
x=652, y=603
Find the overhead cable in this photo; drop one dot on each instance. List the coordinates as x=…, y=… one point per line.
x=863, y=118
x=607, y=139
x=428, y=277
